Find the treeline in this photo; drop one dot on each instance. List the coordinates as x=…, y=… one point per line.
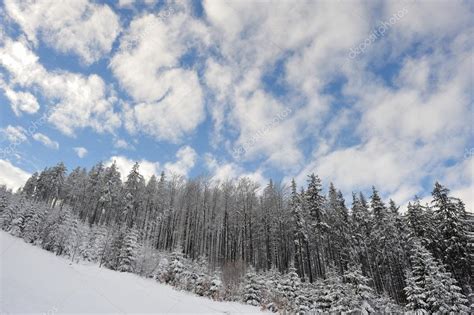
x=345, y=258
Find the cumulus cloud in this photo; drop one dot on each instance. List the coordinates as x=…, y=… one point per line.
x=266, y=127
x=21, y=101
x=352, y=119
x=80, y=101
x=12, y=176
x=185, y=160
x=46, y=141
x=396, y=132
x=80, y=151
x=81, y=27
x=253, y=39
x=179, y=113
x=168, y=99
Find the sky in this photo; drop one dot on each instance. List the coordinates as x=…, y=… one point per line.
x=361, y=93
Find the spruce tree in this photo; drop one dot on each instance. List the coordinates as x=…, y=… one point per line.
x=30, y=186
x=253, y=288
x=32, y=228
x=429, y=287
x=288, y=288
x=300, y=237
x=128, y=251
x=360, y=293
x=452, y=241
x=315, y=203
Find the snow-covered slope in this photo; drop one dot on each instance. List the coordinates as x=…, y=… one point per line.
x=35, y=281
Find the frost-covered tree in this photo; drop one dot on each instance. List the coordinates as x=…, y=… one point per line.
x=429, y=287
x=338, y=244
x=289, y=288
x=358, y=285
x=30, y=186
x=128, y=252
x=253, y=288
x=237, y=222
x=175, y=268
x=315, y=202
x=451, y=237
x=215, y=286
x=300, y=235
x=4, y=198
x=9, y=214
x=32, y=229
x=334, y=295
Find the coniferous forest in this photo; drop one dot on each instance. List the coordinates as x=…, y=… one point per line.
x=283, y=248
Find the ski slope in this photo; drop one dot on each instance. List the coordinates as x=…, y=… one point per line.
x=33, y=280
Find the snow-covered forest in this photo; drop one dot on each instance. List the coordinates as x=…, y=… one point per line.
x=281, y=248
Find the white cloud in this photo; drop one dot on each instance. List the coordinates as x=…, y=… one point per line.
x=14, y=134
x=122, y=144
x=124, y=165
x=266, y=127
x=225, y=171
x=149, y=49
x=125, y=3
x=179, y=113
x=251, y=40
x=12, y=176
x=21, y=101
x=405, y=130
x=169, y=99
x=185, y=160
x=80, y=151
x=46, y=141
x=391, y=134
x=466, y=194
x=80, y=101
x=84, y=28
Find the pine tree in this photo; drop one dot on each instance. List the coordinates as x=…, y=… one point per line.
x=66, y=232
x=25, y=212
x=133, y=189
x=114, y=251
x=253, y=288
x=452, y=241
x=429, y=287
x=175, y=268
x=30, y=185
x=315, y=202
x=300, y=237
x=379, y=209
x=338, y=219
x=289, y=289
x=128, y=251
x=361, y=294
x=32, y=229
x=101, y=243
x=4, y=198
x=415, y=293
x=333, y=294
x=215, y=286
x=420, y=223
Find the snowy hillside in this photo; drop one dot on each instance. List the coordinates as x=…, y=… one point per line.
x=36, y=281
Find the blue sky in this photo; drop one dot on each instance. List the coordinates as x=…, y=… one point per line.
x=361, y=93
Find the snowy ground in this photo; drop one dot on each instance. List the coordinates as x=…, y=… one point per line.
x=36, y=281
